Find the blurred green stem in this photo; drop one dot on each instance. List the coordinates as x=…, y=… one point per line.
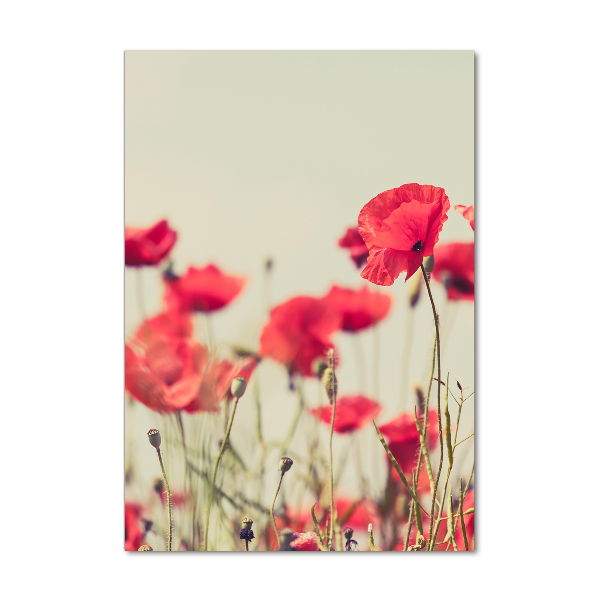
x=334, y=394
x=211, y=490
x=273, y=510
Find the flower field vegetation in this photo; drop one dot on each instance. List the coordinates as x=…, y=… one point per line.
x=211, y=493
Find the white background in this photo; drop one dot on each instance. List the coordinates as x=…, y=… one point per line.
x=61, y=134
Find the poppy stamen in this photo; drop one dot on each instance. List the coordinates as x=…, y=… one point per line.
x=418, y=246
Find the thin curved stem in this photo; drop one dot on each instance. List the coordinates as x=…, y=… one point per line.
x=273, y=509
x=211, y=490
x=169, y=513
x=439, y=401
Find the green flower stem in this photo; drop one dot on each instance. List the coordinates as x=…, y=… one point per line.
x=169, y=508
x=439, y=402
x=423, y=453
x=451, y=521
x=273, y=508
x=334, y=394
x=462, y=516
x=247, y=549
x=211, y=490
x=316, y=524
x=286, y=443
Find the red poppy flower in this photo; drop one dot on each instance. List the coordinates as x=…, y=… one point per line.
x=133, y=532
x=359, y=308
x=351, y=413
x=358, y=249
x=202, y=290
x=305, y=542
x=403, y=441
x=298, y=332
x=148, y=246
x=455, y=268
x=468, y=212
x=401, y=227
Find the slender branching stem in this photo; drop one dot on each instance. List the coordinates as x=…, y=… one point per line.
x=462, y=516
x=273, y=509
x=439, y=401
x=169, y=508
x=211, y=490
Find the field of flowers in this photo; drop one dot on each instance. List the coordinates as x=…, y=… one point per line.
x=352, y=482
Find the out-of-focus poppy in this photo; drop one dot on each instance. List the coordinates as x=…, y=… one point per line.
x=400, y=227
x=133, y=532
x=202, y=290
x=351, y=413
x=359, y=308
x=455, y=268
x=468, y=212
x=403, y=441
x=354, y=242
x=305, y=542
x=298, y=333
x=148, y=246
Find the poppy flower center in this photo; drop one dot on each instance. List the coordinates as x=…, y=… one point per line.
x=418, y=246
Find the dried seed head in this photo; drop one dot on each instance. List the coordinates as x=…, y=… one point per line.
x=285, y=464
x=238, y=387
x=154, y=438
x=247, y=523
x=287, y=536
x=144, y=548
x=330, y=383
x=246, y=534
x=348, y=533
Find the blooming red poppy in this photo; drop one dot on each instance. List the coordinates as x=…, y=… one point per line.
x=358, y=249
x=468, y=212
x=455, y=268
x=202, y=290
x=148, y=246
x=401, y=227
x=404, y=443
x=298, y=333
x=359, y=308
x=351, y=413
x=133, y=532
x=305, y=542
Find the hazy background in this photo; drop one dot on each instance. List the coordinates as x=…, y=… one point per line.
x=255, y=154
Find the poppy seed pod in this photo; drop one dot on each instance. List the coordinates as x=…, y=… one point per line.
x=144, y=548
x=348, y=533
x=428, y=264
x=287, y=536
x=247, y=523
x=285, y=464
x=330, y=383
x=238, y=387
x=154, y=438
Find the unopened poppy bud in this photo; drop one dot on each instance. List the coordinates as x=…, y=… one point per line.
x=285, y=464
x=144, y=548
x=330, y=383
x=154, y=438
x=238, y=387
x=287, y=536
x=348, y=533
x=247, y=523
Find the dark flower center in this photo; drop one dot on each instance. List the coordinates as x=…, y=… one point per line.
x=418, y=246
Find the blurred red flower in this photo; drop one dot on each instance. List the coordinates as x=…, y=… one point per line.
x=351, y=413
x=148, y=246
x=168, y=372
x=400, y=227
x=359, y=308
x=354, y=513
x=305, y=542
x=468, y=212
x=298, y=333
x=202, y=290
x=358, y=249
x=403, y=441
x=455, y=268
x=133, y=531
